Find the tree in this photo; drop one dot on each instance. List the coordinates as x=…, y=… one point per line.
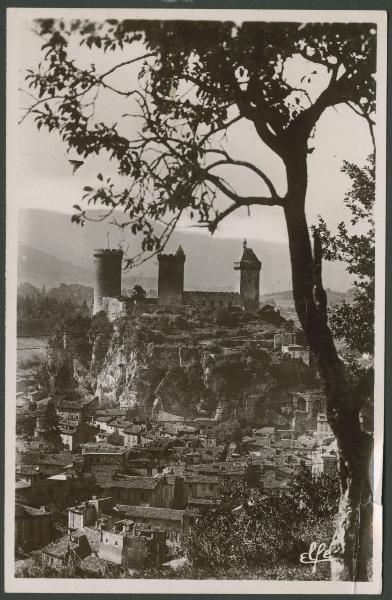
x=354, y=321
x=196, y=80
x=138, y=293
x=251, y=530
x=315, y=496
x=51, y=434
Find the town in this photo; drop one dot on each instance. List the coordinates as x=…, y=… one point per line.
x=146, y=409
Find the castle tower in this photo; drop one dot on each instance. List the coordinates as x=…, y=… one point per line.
x=249, y=267
x=171, y=277
x=107, y=278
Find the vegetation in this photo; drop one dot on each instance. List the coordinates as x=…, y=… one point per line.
x=354, y=322
x=138, y=293
x=51, y=430
x=263, y=530
x=39, y=311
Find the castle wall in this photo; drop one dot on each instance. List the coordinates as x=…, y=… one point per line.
x=212, y=299
x=114, y=308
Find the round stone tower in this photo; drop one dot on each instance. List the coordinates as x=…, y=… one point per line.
x=249, y=267
x=107, y=279
x=171, y=277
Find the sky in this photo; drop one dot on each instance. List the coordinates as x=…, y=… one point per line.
x=46, y=180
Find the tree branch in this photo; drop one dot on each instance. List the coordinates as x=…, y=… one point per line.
x=243, y=200
x=243, y=163
x=366, y=116
x=126, y=62
x=221, y=128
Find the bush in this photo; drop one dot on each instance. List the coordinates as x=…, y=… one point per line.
x=266, y=531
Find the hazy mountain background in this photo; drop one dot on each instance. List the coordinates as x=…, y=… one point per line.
x=53, y=250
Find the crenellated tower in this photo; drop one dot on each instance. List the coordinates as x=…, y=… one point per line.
x=107, y=277
x=171, y=277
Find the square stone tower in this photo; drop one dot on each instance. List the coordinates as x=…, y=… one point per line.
x=249, y=267
x=171, y=277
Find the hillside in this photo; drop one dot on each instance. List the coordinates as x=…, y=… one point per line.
x=41, y=268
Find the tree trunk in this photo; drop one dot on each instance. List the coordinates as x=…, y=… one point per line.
x=351, y=542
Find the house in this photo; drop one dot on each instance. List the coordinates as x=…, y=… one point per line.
x=69, y=549
x=132, y=546
x=323, y=429
x=74, y=434
x=102, y=422
x=75, y=412
x=201, y=486
x=324, y=460
x=176, y=523
x=284, y=338
x=135, y=490
x=132, y=435
x=88, y=512
x=264, y=435
x=33, y=527
x=298, y=352
x=165, y=417
x=103, y=457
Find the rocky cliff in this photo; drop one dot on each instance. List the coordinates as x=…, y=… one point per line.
x=186, y=363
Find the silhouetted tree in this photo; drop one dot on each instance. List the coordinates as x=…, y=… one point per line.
x=138, y=293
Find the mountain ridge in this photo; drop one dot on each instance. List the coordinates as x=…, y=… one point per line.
x=208, y=266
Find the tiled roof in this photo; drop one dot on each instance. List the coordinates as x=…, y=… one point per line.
x=169, y=417
x=114, y=412
x=93, y=564
x=94, y=448
x=145, y=483
x=133, y=430
x=150, y=512
x=23, y=509
x=198, y=478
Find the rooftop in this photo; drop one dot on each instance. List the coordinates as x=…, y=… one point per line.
x=150, y=512
x=23, y=510
x=133, y=482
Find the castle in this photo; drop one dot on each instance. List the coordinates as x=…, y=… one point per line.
x=107, y=283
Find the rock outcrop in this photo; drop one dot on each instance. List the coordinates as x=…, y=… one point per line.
x=184, y=364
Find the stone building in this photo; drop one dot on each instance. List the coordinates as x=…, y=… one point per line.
x=33, y=527
x=171, y=277
x=171, y=283
x=131, y=545
x=107, y=284
x=299, y=352
x=176, y=523
x=249, y=267
x=107, y=279
x=88, y=512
